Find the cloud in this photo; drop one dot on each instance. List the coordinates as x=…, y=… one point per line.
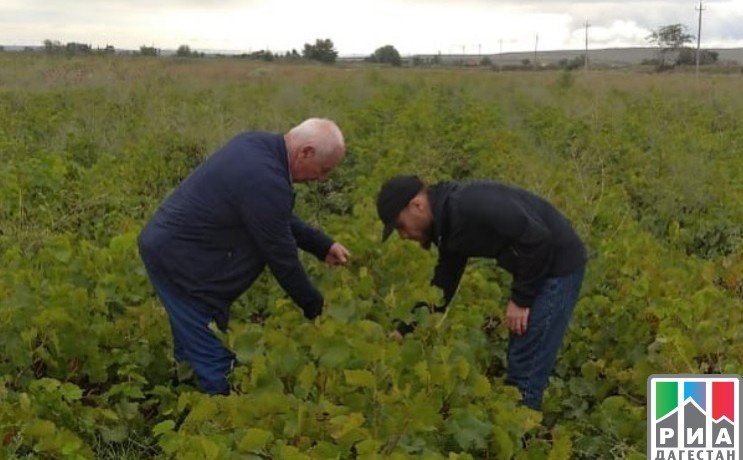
x=616, y=34
x=360, y=26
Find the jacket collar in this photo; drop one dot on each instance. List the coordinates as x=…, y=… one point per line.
x=438, y=195
x=284, y=157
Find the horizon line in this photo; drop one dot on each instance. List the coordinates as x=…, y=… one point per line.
x=351, y=55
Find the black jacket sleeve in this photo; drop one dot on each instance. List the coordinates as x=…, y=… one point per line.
x=266, y=211
x=448, y=273
x=310, y=239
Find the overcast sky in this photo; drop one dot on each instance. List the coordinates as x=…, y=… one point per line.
x=361, y=26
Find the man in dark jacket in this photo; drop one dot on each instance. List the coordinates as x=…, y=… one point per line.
x=212, y=237
x=526, y=235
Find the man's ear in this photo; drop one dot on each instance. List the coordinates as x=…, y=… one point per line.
x=307, y=151
x=417, y=202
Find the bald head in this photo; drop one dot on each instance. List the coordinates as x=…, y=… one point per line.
x=321, y=133
x=315, y=148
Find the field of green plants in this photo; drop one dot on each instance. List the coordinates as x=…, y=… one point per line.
x=648, y=167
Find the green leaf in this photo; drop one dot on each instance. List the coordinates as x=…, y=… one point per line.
x=562, y=445
x=481, y=386
x=40, y=429
x=306, y=377
x=203, y=410
x=336, y=356
x=502, y=443
x=163, y=427
x=209, y=448
x=469, y=431
x=71, y=392
x=248, y=343
x=343, y=425
x=292, y=453
x=360, y=378
x=368, y=446
x=255, y=439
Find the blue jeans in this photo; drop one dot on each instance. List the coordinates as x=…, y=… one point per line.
x=193, y=341
x=531, y=357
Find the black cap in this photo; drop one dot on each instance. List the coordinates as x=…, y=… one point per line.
x=394, y=195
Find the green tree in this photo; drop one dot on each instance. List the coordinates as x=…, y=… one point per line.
x=322, y=50
x=53, y=47
x=184, y=51
x=688, y=56
x=262, y=55
x=386, y=54
x=572, y=64
x=148, y=51
x=669, y=39
x=73, y=48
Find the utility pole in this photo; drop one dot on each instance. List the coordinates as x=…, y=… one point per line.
x=699, y=32
x=585, y=58
x=536, y=46
x=500, y=55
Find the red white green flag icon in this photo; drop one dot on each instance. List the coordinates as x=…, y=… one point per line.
x=694, y=416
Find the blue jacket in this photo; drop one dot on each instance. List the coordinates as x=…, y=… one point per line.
x=224, y=223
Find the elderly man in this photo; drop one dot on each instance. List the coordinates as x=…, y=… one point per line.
x=212, y=237
x=524, y=233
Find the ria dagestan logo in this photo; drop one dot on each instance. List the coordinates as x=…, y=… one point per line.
x=694, y=417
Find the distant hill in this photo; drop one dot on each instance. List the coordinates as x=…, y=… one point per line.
x=612, y=57
x=608, y=57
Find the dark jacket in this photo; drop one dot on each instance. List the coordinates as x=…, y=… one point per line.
x=231, y=217
x=529, y=237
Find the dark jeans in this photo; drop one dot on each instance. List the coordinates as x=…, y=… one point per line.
x=531, y=357
x=193, y=341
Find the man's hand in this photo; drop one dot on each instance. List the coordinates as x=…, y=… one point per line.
x=516, y=318
x=337, y=255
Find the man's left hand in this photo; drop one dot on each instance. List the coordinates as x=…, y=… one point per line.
x=516, y=318
x=337, y=255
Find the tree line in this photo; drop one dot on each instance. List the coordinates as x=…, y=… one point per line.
x=671, y=41
x=323, y=50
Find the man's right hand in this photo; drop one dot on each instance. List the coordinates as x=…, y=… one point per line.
x=337, y=255
x=517, y=318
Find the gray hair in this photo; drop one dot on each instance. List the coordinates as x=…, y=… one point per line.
x=323, y=134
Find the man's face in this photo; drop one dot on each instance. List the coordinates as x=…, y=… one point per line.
x=415, y=221
x=309, y=166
